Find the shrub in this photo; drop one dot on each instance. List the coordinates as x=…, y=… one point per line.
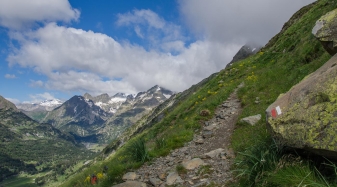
x=205, y=113
x=137, y=151
x=181, y=169
x=255, y=163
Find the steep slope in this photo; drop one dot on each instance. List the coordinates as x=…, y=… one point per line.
x=244, y=52
x=284, y=61
x=27, y=146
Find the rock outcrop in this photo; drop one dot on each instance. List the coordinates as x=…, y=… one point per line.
x=306, y=116
x=325, y=31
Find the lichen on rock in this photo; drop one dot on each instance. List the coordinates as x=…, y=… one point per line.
x=325, y=31
x=309, y=113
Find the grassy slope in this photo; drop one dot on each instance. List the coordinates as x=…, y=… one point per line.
x=286, y=60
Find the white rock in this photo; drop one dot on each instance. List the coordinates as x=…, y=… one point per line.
x=252, y=120
x=173, y=178
x=130, y=176
x=214, y=153
x=192, y=164
x=131, y=184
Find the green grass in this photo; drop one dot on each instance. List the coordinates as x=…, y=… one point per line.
x=266, y=75
x=18, y=182
x=181, y=169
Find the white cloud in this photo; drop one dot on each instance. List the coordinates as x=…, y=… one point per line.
x=78, y=60
x=74, y=59
x=15, y=101
x=149, y=26
x=38, y=83
x=141, y=17
x=36, y=98
x=16, y=14
x=238, y=21
x=10, y=76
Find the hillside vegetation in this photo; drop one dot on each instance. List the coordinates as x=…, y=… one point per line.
x=284, y=61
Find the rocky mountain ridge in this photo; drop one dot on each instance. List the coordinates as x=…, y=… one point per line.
x=103, y=118
x=46, y=105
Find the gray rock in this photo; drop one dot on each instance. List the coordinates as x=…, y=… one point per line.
x=215, y=153
x=155, y=182
x=130, y=176
x=305, y=117
x=199, y=141
x=325, y=31
x=192, y=164
x=131, y=184
x=252, y=120
x=211, y=127
x=173, y=178
x=207, y=134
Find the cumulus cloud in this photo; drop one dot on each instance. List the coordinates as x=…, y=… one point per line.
x=36, y=98
x=74, y=59
x=15, y=101
x=149, y=26
x=10, y=76
x=16, y=14
x=238, y=21
x=79, y=60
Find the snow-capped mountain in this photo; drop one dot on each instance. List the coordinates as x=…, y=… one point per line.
x=78, y=116
x=120, y=101
x=101, y=118
x=47, y=105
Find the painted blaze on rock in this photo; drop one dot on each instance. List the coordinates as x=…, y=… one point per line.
x=308, y=113
x=325, y=31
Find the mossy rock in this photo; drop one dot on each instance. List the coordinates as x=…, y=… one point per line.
x=325, y=31
x=306, y=116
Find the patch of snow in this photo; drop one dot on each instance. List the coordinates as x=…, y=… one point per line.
x=52, y=102
x=112, y=110
x=117, y=100
x=167, y=95
x=100, y=104
x=90, y=103
x=158, y=89
x=75, y=109
x=142, y=96
x=158, y=97
x=253, y=49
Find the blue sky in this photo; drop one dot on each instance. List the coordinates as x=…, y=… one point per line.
x=59, y=48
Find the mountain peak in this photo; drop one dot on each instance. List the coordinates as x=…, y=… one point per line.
x=5, y=104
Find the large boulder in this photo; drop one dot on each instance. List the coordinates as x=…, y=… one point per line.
x=325, y=31
x=306, y=116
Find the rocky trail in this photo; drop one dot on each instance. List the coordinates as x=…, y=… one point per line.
x=205, y=160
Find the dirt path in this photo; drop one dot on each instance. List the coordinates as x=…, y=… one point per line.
x=207, y=158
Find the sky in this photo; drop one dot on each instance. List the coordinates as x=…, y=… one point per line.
x=60, y=48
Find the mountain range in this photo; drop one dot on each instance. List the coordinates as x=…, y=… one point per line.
x=29, y=146
x=96, y=119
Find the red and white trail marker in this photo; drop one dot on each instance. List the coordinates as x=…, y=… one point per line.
x=276, y=112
